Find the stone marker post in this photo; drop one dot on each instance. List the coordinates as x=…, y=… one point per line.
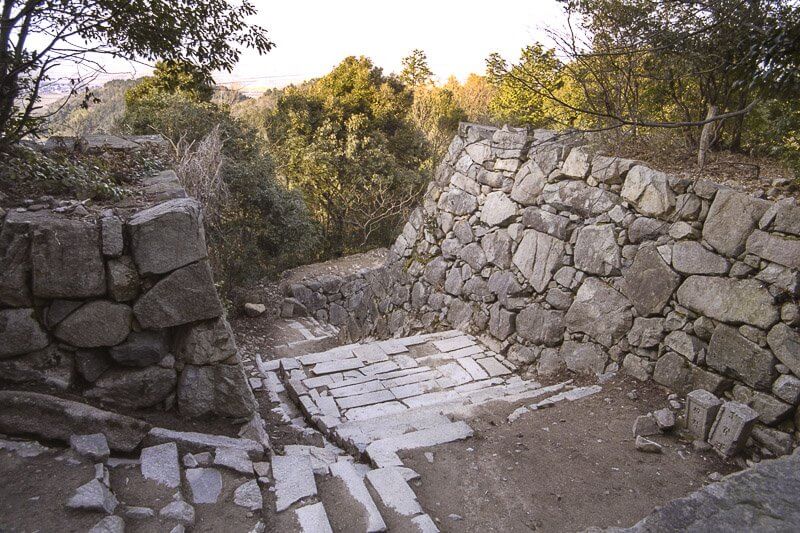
x=701, y=411
x=732, y=427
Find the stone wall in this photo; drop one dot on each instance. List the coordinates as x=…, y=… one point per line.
x=120, y=309
x=563, y=258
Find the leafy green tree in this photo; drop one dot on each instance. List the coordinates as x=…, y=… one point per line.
x=416, y=71
x=436, y=113
x=37, y=36
x=174, y=77
x=346, y=142
x=474, y=96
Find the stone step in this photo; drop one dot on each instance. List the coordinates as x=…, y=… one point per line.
x=383, y=452
x=397, y=502
x=355, y=490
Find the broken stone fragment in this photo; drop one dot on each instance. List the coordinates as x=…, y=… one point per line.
x=665, y=419
x=645, y=425
x=109, y=524
x=94, y=447
x=248, y=495
x=647, y=445
x=179, y=511
x=93, y=496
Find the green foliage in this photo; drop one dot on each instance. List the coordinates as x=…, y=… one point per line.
x=173, y=77
x=416, y=71
x=474, y=96
x=436, y=114
x=345, y=142
x=101, y=115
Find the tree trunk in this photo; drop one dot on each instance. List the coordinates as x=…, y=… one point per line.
x=706, y=135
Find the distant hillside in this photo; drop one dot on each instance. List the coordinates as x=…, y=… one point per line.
x=98, y=117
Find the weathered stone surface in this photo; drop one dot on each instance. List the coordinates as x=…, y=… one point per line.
x=195, y=443
x=599, y=311
x=394, y=492
x=123, y=281
x=186, y=295
x=785, y=217
x=248, y=495
x=93, y=496
x=179, y=511
x=294, y=480
x=234, y=458
x=501, y=322
x=435, y=270
x=15, y=266
x=577, y=196
x=647, y=445
x=735, y=356
x=577, y=163
x=219, y=389
x=50, y=366
x=91, y=364
x=731, y=428
x=729, y=300
x=458, y=202
x=690, y=257
x=610, y=170
x=787, y=388
x=66, y=259
x=545, y=222
x=109, y=524
x=687, y=345
x=538, y=256
x=50, y=417
x=584, y=357
x=674, y=372
x=701, y=411
x=638, y=367
x=498, y=210
x=649, y=282
x=20, y=333
x=785, y=344
x=731, y=219
x=649, y=191
x=133, y=389
x=541, y=326
x=779, y=250
x=94, y=447
x=497, y=248
x=141, y=348
x=646, y=332
x=770, y=410
x=95, y=324
x=646, y=229
x=596, y=250
x=167, y=236
x=474, y=256
x=205, y=484
x=528, y=184
x=111, y=232
x=205, y=343
x=160, y=464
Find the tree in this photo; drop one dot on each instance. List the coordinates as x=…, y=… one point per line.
x=346, y=142
x=474, y=97
x=174, y=77
x=436, y=114
x=416, y=71
x=37, y=36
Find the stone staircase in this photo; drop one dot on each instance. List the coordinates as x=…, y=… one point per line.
x=370, y=402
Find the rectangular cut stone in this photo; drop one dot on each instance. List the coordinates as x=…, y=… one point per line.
x=475, y=370
x=477, y=385
x=701, y=411
x=327, y=406
x=455, y=343
x=414, y=389
x=160, y=464
x=374, y=411
x=393, y=491
x=412, y=378
x=344, y=352
x=359, y=388
x=379, y=368
x=456, y=372
x=294, y=480
x=466, y=352
x=337, y=366
x=357, y=488
x=365, y=399
x=424, y=438
x=431, y=398
x=405, y=361
x=393, y=347
x=313, y=519
x=321, y=381
x=732, y=428
x=370, y=353
x=404, y=372
x=190, y=442
x=493, y=367
x=347, y=382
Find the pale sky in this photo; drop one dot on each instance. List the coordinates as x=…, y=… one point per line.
x=313, y=36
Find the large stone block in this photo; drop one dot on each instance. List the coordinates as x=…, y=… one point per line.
x=610, y=170
x=95, y=324
x=458, y=202
x=577, y=163
x=498, y=210
x=167, y=236
x=545, y=222
x=528, y=183
x=779, y=250
x=785, y=217
x=133, y=388
x=50, y=367
x=497, y=248
x=701, y=411
x=729, y=300
x=584, y=357
x=66, y=259
x=501, y=322
x=732, y=427
x=538, y=256
x=141, y=348
x=578, y=197
x=186, y=295
x=219, y=389
x=205, y=343
x=599, y=311
x=785, y=344
x=596, y=250
x=541, y=326
x=646, y=332
x=731, y=220
x=674, y=372
x=123, y=280
x=770, y=410
x=649, y=282
x=690, y=257
x=20, y=333
x=735, y=356
x=15, y=265
x=649, y=191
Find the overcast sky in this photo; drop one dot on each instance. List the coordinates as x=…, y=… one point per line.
x=313, y=36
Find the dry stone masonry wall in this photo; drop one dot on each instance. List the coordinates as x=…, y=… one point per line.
x=560, y=258
x=120, y=309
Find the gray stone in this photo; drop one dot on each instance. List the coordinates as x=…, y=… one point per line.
x=59, y=310
x=787, y=388
x=248, y=495
x=776, y=441
x=95, y=324
x=93, y=447
x=781, y=277
x=178, y=511
x=786, y=217
x=294, y=480
x=599, y=311
x=610, y=170
x=123, y=280
x=649, y=283
x=66, y=259
x=638, y=367
x=91, y=364
x=458, y=202
x=497, y=248
x=578, y=197
x=731, y=428
x=234, y=458
x=537, y=257
x=687, y=345
x=559, y=298
x=596, y=250
x=355, y=485
x=93, y=496
x=501, y=322
x=313, y=519
x=779, y=250
x=202, y=443
x=51, y=366
x=167, y=236
x=111, y=232
x=689, y=257
x=648, y=446
x=20, y=333
x=735, y=356
x=584, y=357
x=528, y=184
x=15, y=266
x=688, y=207
x=645, y=425
x=498, y=210
x=729, y=300
x=731, y=219
x=435, y=270
x=701, y=411
x=463, y=232
x=646, y=332
x=186, y=295
x=577, y=163
x=785, y=344
x=474, y=256
x=646, y=229
x=545, y=222
x=540, y=326
x=205, y=343
x=770, y=410
x=109, y=524
x=160, y=464
x=394, y=492
x=141, y=348
x=133, y=388
x=665, y=419
x=220, y=389
x=674, y=372
x=649, y=191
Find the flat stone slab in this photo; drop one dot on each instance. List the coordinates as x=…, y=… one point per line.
x=355, y=485
x=93, y=496
x=454, y=343
x=365, y=399
x=190, y=442
x=374, y=411
x=94, y=447
x=160, y=464
x=394, y=492
x=294, y=480
x=234, y=458
x=313, y=519
x=248, y=495
x=493, y=367
x=425, y=524
x=337, y=366
x=205, y=484
x=358, y=388
x=381, y=451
